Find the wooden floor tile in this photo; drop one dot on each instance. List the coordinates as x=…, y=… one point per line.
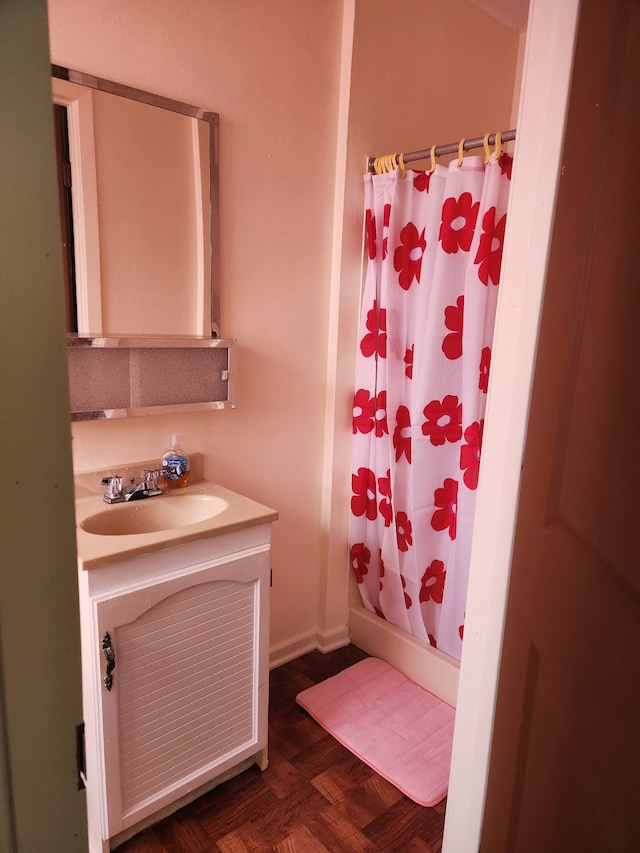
x=395, y=828
x=282, y=820
x=282, y=778
x=335, y=829
x=384, y=792
x=301, y=841
x=184, y=833
x=245, y=839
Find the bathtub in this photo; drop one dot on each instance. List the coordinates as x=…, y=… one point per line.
x=436, y=672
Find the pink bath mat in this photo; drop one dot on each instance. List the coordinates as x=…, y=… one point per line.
x=400, y=730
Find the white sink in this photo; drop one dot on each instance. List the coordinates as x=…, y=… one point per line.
x=149, y=515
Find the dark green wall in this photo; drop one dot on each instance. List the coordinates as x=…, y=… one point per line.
x=41, y=810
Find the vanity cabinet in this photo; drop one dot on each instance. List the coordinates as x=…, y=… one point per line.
x=175, y=673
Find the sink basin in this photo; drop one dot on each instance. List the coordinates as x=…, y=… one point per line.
x=153, y=514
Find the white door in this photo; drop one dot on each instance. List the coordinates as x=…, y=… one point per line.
x=565, y=755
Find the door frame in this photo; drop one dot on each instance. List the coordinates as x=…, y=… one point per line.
x=546, y=80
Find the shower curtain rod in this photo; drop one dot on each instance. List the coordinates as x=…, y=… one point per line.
x=449, y=148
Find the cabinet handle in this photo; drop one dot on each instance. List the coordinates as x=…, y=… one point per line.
x=110, y=657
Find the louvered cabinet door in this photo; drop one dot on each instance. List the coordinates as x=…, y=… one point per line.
x=189, y=694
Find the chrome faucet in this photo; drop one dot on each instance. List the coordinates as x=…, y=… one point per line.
x=147, y=488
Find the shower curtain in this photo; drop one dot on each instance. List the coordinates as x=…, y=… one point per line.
x=434, y=242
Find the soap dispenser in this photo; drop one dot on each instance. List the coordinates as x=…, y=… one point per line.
x=175, y=466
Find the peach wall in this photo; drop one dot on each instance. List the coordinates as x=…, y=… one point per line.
x=271, y=71
x=305, y=91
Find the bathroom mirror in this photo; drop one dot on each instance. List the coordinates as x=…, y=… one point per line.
x=143, y=201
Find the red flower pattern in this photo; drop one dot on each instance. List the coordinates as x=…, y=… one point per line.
x=485, y=365
x=432, y=641
x=506, y=164
x=363, y=412
x=458, y=223
x=470, y=454
x=446, y=498
x=402, y=434
x=370, y=413
x=407, y=597
x=408, y=360
x=403, y=531
x=443, y=420
x=432, y=582
x=364, y=499
x=380, y=414
x=370, y=230
x=421, y=182
x=453, y=320
x=489, y=254
x=375, y=341
x=407, y=258
x=384, y=490
x=360, y=557
x=385, y=230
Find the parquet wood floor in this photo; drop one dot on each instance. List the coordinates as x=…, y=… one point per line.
x=315, y=796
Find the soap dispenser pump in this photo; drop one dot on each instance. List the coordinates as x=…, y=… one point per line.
x=175, y=466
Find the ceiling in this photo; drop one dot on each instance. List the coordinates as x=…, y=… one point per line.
x=513, y=13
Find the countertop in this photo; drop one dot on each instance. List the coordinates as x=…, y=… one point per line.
x=95, y=550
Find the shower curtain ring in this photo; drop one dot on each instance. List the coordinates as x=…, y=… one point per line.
x=383, y=164
x=433, y=158
x=498, y=149
x=461, y=151
x=487, y=150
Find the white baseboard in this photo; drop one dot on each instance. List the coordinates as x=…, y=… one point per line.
x=335, y=640
x=428, y=667
x=299, y=646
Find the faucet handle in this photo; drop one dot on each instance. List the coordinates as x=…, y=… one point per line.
x=151, y=478
x=115, y=488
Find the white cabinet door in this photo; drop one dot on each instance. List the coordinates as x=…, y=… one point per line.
x=189, y=694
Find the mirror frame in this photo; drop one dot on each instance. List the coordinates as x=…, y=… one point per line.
x=212, y=119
